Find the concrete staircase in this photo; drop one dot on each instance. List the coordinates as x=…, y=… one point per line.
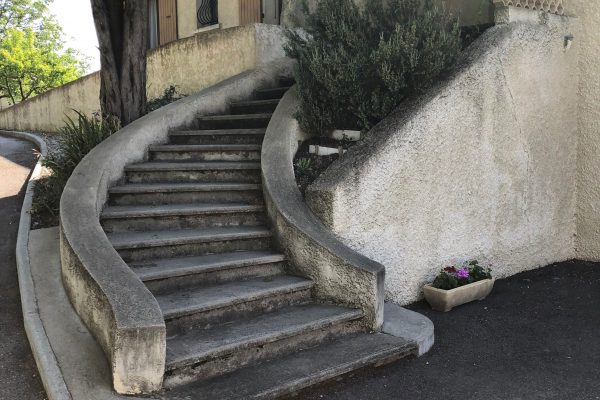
x=191, y=223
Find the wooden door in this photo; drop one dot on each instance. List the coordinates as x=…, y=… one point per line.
x=250, y=11
x=167, y=21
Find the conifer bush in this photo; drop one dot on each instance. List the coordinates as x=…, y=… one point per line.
x=356, y=64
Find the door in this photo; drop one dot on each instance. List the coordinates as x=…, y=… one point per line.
x=250, y=11
x=167, y=21
x=271, y=12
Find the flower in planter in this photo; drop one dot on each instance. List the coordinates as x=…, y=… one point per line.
x=461, y=275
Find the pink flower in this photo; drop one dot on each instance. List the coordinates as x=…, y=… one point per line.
x=462, y=273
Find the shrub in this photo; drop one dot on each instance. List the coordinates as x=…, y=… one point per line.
x=461, y=275
x=355, y=65
x=169, y=96
x=77, y=139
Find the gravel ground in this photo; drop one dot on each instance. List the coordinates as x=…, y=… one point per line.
x=537, y=336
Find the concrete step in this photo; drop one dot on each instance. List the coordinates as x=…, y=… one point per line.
x=239, y=121
x=254, y=106
x=180, y=216
x=225, y=348
x=272, y=93
x=221, y=152
x=177, y=273
x=199, y=171
x=218, y=136
x=182, y=193
x=286, y=375
x=203, y=306
x=137, y=246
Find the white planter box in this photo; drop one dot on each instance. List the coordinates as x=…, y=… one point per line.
x=446, y=300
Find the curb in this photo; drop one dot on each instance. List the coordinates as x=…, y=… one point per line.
x=50, y=373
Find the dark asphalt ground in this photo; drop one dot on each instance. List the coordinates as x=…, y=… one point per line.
x=19, y=378
x=537, y=336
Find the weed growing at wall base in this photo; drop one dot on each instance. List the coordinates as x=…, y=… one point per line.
x=77, y=139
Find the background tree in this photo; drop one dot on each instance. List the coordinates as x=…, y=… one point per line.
x=33, y=58
x=122, y=28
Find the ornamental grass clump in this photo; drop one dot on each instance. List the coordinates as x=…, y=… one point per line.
x=355, y=64
x=461, y=275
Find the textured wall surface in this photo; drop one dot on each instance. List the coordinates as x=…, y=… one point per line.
x=191, y=64
x=588, y=188
x=483, y=168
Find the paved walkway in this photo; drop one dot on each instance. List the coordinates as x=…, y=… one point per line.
x=19, y=378
x=536, y=337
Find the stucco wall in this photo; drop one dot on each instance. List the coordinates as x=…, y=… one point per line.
x=483, y=168
x=191, y=64
x=229, y=13
x=187, y=23
x=588, y=187
x=471, y=12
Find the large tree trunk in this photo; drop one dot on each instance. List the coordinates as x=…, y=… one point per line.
x=122, y=27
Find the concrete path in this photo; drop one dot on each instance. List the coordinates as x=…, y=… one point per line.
x=536, y=337
x=19, y=378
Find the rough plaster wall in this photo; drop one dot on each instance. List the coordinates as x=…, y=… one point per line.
x=483, y=169
x=471, y=12
x=47, y=112
x=208, y=58
x=187, y=24
x=190, y=64
x=588, y=188
x=229, y=13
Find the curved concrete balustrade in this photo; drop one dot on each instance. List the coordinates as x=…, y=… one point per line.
x=341, y=274
x=114, y=304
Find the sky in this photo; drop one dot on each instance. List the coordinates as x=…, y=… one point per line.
x=75, y=18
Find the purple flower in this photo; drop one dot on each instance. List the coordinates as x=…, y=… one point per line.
x=462, y=273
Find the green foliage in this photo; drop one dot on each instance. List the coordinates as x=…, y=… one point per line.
x=461, y=275
x=169, y=96
x=33, y=58
x=304, y=167
x=77, y=139
x=356, y=65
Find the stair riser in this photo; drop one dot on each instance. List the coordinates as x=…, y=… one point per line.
x=236, y=155
x=238, y=358
x=253, y=108
x=217, y=139
x=205, y=176
x=183, y=222
x=235, y=196
x=271, y=94
x=246, y=123
x=231, y=312
x=194, y=249
x=161, y=286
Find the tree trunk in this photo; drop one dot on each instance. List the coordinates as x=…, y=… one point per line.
x=121, y=26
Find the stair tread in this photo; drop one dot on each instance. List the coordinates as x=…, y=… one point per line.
x=206, y=147
x=255, y=102
x=275, y=89
x=132, y=240
x=193, y=166
x=182, y=266
x=205, y=298
x=197, y=345
x=217, y=132
x=290, y=373
x=140, y=211
x=235, y=117
x=183, y=187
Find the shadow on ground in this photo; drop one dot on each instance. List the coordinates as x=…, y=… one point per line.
x=537, y=336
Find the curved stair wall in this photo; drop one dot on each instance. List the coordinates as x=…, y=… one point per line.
x=341, y=274
x=112, y=301
x=482, y=167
